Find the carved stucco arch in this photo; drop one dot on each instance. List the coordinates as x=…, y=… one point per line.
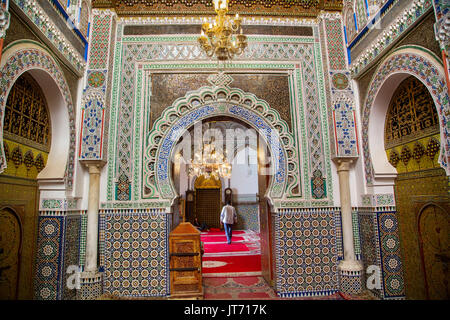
x=209, y=102
x=29, y=56
x=403, y=62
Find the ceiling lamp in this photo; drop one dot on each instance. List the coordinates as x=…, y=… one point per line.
x=217, y=39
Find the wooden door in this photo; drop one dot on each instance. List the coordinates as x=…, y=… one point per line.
x=208, y=206
x=434, y=242
x=10, y=245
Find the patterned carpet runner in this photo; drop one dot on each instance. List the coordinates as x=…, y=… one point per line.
x=248, y=288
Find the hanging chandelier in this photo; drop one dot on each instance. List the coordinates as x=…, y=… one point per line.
x=217, y=39
x=210, y=162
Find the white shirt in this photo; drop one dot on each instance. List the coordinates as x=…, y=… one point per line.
x=228, y=215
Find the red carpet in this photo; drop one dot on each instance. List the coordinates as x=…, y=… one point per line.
x=220, y=239
x=222, y=233
x=239, y=259
x=233, y=265
x=225, y=247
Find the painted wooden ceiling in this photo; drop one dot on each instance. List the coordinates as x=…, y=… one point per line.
x=289, y=8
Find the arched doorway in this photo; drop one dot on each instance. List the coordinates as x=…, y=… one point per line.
x=208, y=200
x=26, y=142
x=412, y=144
x=210, y=102
x=250, y=253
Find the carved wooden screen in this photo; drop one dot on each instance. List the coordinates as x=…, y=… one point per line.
x=411, y=114
x=26, y=113
x=27, y=131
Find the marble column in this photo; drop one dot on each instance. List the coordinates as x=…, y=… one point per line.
x=350, y=269
x=91, y=278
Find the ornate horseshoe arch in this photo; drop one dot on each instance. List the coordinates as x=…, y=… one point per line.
x=422, y=64
x=29, y=56
x=209, y=102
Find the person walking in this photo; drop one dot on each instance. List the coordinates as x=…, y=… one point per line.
x=228, y=217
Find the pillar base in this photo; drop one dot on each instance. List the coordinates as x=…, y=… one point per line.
x=91, y=285
x=351, y=277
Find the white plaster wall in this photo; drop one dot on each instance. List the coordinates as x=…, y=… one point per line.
x=244, y=177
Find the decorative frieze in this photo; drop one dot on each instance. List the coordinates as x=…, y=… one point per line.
x=4, y=18
x=391, y=34
x=37, y=16
x=62, y=204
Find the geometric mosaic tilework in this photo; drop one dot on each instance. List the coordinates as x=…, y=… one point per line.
x=90, y=288
x=351, y=283
x=428, y=72
x=71, y=252
x=344, y=119
x=82, y=235
x=356, y=236
x=361, y=14
x=392, y=270
x=96, y=79
x=94, y=107
x=248, y=216
x=370, y=251
x=400, y=26
x=335, y=44
x=331, y=78
x=92, y=119
x=314, y=126
x=99, y=42
x=37, y=16
x=341, y=114
x=28, y=59
x=340, y=81
x=136, y=252
x=48, y=278
x=306, y=252
x=349, y=23
x=380, y=246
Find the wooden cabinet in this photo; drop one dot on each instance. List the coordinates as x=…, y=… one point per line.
x=185, y=262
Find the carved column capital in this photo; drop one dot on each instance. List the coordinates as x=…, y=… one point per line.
x=94, y=166
x=344, y=163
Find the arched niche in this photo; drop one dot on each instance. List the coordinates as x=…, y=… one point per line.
x=29, y=56
x=402, y=63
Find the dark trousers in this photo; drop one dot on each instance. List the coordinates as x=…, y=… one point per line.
x=228, y=230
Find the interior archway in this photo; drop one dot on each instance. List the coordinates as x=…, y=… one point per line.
x=401, y=64
x=245, y=148
x=46, y=72
x=206, y=103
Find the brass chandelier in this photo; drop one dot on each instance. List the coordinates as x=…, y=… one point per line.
x=217, y=39
x=210, y=162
